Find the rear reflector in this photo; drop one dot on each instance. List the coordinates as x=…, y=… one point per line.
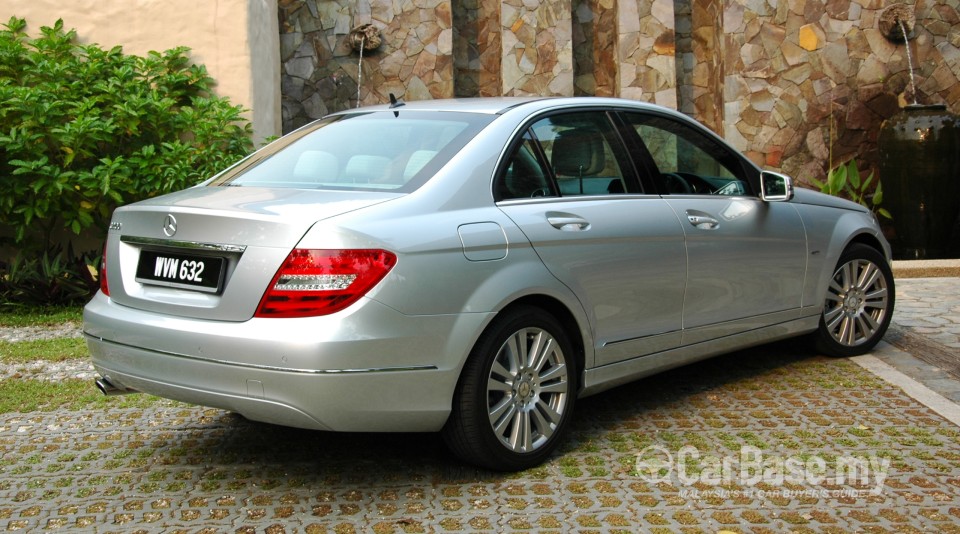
x=320, y=282
x=104, y=286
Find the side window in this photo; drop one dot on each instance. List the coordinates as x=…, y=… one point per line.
x=526, y=175
x=689, y=162
x=565, y=155
x=584, y=153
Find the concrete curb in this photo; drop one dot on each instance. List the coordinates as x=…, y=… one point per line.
x=919, y=392
x=926, y=268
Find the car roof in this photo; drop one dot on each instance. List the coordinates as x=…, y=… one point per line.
x=490, y=106
x=500, y=105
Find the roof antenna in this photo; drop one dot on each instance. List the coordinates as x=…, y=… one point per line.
x=394, y=103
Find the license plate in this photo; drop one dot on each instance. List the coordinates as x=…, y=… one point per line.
x=185, y=271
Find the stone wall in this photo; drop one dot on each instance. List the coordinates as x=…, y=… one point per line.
x=537, y=56
x=809, y=81
x=700, y=58
x=321, y=72
x=477, y=46
x=595, y=47
x=795, y=84
x=646, y=51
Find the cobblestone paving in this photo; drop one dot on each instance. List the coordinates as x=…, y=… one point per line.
x=190, y=469
x=176, y=469
x=930, y=307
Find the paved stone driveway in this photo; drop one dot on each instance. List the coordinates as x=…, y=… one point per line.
x=931, y=307
x=768, y=440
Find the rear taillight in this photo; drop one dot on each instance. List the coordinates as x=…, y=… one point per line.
x=104, y=286
x=320, y=282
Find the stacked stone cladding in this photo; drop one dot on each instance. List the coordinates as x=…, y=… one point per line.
x=795, y=84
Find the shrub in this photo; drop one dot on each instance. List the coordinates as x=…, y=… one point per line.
x=54, y=278
x=84, y=130
x=845, y=181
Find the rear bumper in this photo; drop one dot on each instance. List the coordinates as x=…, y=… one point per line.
x=292, y=372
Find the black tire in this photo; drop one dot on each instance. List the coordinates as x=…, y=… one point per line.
x=510, y=410
x=858, y=305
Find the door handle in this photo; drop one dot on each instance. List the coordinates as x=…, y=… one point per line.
x=702, y=220
x=568, y=223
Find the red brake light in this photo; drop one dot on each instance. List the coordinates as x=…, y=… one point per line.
x=320, y=282
x=104, y=286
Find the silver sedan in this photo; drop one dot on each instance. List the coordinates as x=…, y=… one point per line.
x=474, y=267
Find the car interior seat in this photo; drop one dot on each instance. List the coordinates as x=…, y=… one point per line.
x=576, y=154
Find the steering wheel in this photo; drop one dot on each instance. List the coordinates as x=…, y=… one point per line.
x=676, y=184
x=541, y=192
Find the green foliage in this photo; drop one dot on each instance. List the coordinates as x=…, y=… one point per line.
x=845, y=181
x=39, y=316
x=54, y=278
x=23, y=395
x=83, y=130
x=49, y=350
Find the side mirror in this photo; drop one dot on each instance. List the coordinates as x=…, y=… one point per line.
x=775, y=187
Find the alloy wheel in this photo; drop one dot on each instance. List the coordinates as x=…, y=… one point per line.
x=857, y=303
x=528, y=390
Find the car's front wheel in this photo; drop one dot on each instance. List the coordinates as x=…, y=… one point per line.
x=858, y=305
x=516, y=393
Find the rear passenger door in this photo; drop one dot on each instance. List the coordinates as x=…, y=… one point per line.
x=571, y=188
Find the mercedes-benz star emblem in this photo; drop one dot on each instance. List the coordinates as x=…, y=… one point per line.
x=170, y=225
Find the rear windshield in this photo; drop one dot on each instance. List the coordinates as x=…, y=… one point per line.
x=389, y=150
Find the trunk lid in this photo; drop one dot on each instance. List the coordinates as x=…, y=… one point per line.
x=209, y=252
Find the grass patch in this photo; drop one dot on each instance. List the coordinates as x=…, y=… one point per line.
x=28, y=395
x=51, y=350
x=20, y=316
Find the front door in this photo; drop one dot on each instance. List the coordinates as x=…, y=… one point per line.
x=746, y=257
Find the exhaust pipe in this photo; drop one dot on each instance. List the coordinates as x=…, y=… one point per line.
x=109, y=389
